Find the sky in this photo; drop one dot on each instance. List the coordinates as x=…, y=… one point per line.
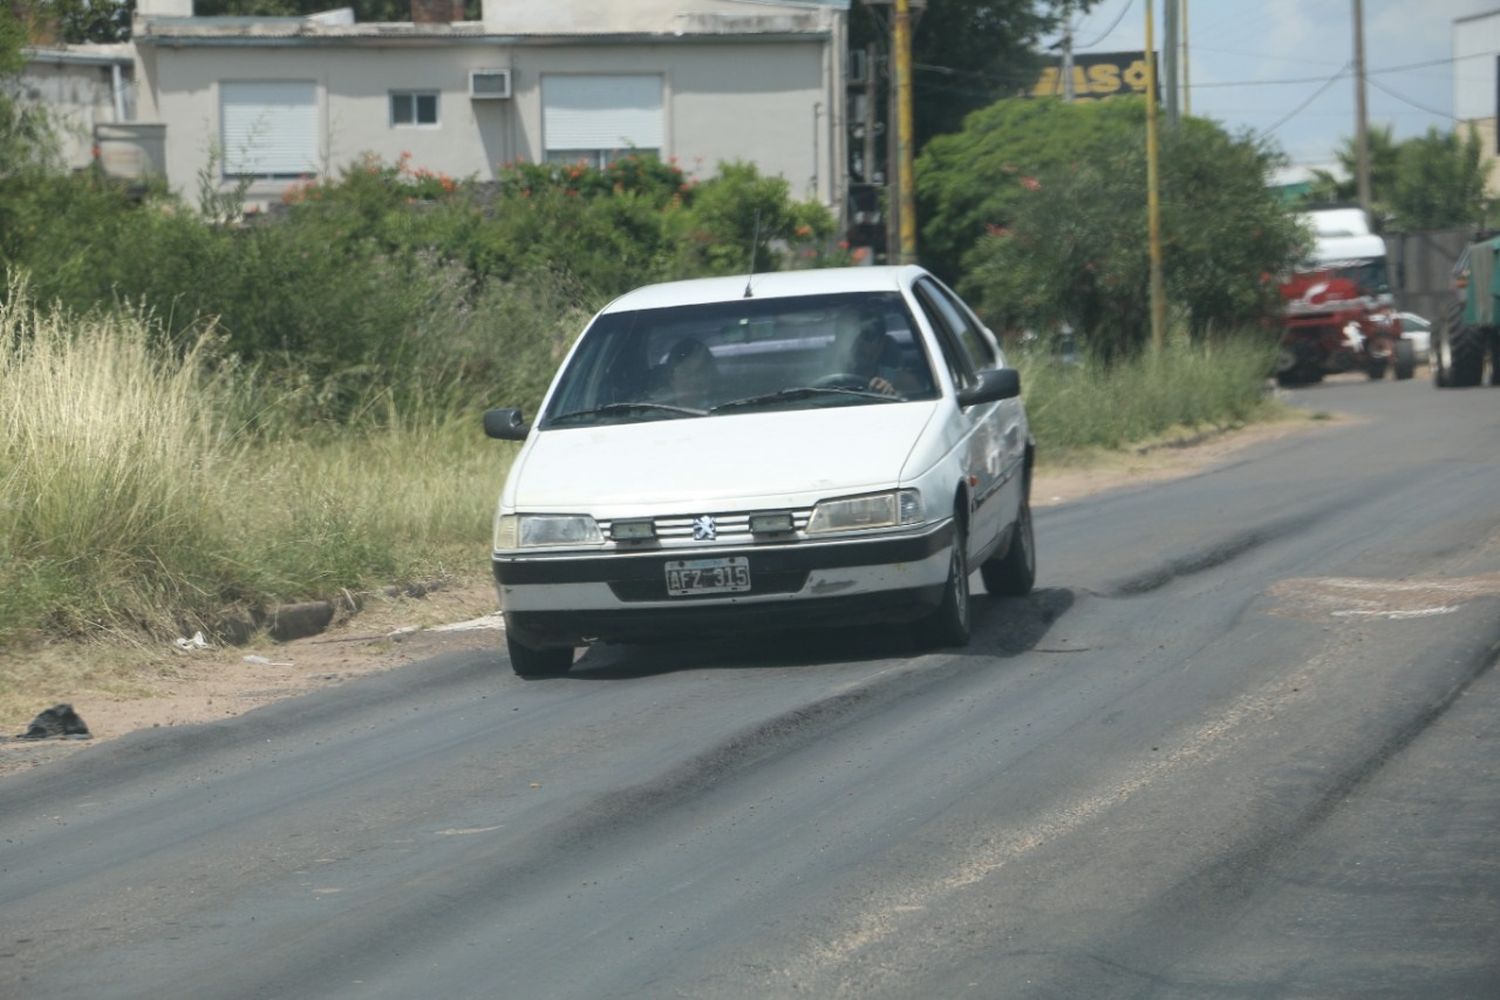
x=1239, y=48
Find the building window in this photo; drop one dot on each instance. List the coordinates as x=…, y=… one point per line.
x=600, y=118
x=597, y=158
x=414, y=107
x=269, y=129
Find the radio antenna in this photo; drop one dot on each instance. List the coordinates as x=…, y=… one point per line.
x=754, y=243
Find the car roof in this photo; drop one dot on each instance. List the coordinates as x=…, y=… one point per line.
x=767, y=284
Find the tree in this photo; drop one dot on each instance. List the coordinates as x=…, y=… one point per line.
x=1384, y=151
x=79, y=21
x=965, y=53
x=26, y=138
x=1040, y=210
x=1440, y=182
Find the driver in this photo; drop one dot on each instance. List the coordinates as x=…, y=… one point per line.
x=692, y=374
x=868, y=358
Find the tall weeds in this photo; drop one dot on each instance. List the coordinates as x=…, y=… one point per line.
x=141, y=490
x=1084, y=405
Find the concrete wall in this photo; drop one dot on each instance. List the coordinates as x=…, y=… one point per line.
x=1422, y=268
x=77, y=97
x=1476, y=53
x=722, y=100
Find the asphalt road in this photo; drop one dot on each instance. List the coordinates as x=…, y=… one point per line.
x=1243, y=741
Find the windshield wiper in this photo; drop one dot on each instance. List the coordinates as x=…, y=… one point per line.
x=803, y=392
x=611, y=409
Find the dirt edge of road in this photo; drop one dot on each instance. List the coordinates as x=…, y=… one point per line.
x=117, y=690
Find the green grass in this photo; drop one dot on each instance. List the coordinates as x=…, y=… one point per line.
x=1076, y=409
x=135, y=496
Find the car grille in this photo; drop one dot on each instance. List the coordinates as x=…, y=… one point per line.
x=731, y=529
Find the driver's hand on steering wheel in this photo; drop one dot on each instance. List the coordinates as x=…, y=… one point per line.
x=882, y=386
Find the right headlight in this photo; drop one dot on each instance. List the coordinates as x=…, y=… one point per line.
x=871, y=510
x=523, y=531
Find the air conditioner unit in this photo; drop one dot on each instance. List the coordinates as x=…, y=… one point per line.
x=489, y=84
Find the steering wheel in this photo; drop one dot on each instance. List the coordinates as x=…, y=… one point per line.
x=842, y=380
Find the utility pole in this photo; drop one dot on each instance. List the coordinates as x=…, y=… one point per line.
x=1169, y=54
x=1361, y=132
x=869, y=124
x=1153, y=199
x=901, y=49
x=1067, y=52
x=1187, y=65
x=892, y=165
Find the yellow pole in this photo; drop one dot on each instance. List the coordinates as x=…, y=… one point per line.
x=1153, y=199
x=901, y=43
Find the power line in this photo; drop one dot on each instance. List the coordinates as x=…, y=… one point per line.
x=1407, y=100
x=1110, y=30
x=1303, y=106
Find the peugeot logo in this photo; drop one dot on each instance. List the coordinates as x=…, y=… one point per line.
x=704, y=529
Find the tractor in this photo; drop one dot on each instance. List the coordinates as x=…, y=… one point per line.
x=1469, y=330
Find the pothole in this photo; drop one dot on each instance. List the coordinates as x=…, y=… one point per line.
x=1392, y=600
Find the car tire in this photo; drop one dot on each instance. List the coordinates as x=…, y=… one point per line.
x=1013, y=574
x=1376, y=370
x=528, y=661
x=1406, y=360
x=1466, y=347
x=949, y=624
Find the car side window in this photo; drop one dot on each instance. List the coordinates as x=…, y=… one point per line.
x=981, y=352
x=953, y=351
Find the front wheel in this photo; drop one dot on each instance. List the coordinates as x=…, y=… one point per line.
x=527, y=661
x=1013, y=574
x=1406, y=360
x=949, y=624
x=1376, y=370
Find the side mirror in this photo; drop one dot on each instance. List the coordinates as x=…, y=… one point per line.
x=505, y=425
x=993, y=385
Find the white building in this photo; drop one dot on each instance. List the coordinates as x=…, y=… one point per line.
x=1476, y=54
x=695, y=81
x=83, y=87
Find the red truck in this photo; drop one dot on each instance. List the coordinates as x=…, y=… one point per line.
x=1338, y=313
x=1330, y=324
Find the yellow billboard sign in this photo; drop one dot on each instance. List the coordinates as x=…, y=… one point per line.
x=1096, y=76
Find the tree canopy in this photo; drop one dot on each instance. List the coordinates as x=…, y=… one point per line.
x=1433, y=181
x=965, y=53
x=1038, y=210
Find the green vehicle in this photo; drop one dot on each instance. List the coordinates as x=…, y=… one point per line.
x=1470, y=330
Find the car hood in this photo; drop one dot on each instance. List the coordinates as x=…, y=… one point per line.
x=779, y=457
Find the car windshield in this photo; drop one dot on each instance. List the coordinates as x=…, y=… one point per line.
x=1369, y=274
x=801, y=352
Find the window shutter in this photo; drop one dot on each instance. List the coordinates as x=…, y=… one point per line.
x=269, y=129
x=602, y=112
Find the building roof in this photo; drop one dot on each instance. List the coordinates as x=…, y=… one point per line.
x=737, y=19
x=93, y=54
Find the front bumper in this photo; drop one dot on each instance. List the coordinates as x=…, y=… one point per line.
x=570, y=599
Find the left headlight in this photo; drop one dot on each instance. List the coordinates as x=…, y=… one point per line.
x=872, y=510
x=521, y=531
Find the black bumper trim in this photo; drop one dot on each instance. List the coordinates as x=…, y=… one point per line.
x=802, y=557
x=541, y=629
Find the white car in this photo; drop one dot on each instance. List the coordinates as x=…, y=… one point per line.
x=733, y=455
x=1419, y=331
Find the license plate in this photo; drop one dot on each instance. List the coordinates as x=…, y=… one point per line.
x=686, y=577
